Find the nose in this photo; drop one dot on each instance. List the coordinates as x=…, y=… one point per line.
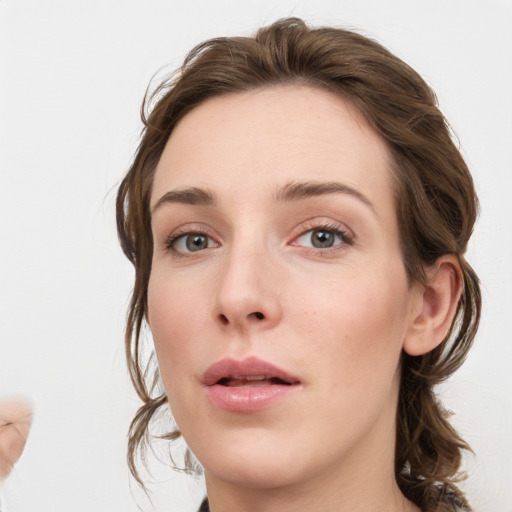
x=248, y=291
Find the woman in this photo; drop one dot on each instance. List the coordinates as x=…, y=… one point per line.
x=297, y=215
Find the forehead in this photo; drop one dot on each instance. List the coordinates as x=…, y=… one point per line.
x=260, y=140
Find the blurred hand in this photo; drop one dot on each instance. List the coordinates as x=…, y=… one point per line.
x=15, y=421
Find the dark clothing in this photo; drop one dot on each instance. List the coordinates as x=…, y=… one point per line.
x=204, y=506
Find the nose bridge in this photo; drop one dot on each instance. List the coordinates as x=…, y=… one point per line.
x=247, y=292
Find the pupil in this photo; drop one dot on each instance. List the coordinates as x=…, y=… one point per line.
x=322, y=239
x=196, y=242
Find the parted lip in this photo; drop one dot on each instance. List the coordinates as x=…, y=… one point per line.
x=250, y=367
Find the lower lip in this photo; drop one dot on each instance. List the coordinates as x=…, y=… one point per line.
x=248, y=398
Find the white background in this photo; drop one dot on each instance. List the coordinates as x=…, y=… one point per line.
x=72, y=77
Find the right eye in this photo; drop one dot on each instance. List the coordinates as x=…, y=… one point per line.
x=190, y=242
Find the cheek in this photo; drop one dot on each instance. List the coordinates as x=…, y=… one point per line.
x=175, y=321
x=359, y=327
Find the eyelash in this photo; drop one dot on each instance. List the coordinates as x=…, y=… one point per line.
x=345, y=237
x=171, y=240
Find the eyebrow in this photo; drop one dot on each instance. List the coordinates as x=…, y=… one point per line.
x=294, y=191
x=302, y=190
x=193, y=195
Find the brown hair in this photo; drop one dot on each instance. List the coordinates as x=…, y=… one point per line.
x=435, y=202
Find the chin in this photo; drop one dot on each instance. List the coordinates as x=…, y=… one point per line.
x=247, y=458
x=255, y=474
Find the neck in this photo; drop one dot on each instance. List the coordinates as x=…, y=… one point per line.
x=363, y=481
x=327, y=495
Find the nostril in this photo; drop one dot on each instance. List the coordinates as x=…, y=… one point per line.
x=258, y=315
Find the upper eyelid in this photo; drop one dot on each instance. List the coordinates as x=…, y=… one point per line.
x=327, y=224
x=191, y=227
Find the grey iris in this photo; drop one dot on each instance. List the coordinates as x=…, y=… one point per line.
x=196, y=242
x=322, y=239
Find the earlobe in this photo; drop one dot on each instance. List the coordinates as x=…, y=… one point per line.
x=436, y=307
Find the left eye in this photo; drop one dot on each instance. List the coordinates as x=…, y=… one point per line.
x=192, y=242
x=321, y=238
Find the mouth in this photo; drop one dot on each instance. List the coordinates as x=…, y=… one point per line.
x=252, y=382
x=247, y=386
x=250, y=372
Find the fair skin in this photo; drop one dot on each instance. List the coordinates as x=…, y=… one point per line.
x=289, y=252
x=15, y=421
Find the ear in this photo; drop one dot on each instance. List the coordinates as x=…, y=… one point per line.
x=435, y=307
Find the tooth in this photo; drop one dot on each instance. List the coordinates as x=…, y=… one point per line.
x=255, y=377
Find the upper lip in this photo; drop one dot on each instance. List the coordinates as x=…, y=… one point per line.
x=250, y=367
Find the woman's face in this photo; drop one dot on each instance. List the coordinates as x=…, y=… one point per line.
x=278, y=298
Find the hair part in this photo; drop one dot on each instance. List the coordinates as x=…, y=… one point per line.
x=436, y=208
